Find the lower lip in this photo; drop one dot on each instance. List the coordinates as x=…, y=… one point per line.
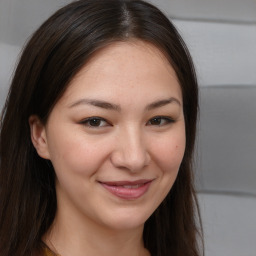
x=127, y=193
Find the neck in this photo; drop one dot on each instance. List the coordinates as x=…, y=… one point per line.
x=75, y=239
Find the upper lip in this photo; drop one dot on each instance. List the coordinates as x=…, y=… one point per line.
x=126, y=182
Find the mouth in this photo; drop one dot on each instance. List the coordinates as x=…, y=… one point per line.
x=129, y=190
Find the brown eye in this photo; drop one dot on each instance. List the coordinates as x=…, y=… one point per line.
x=160, y=120
x=95, y=122
x=156, y=121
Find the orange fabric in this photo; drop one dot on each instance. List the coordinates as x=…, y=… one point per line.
x=48, y=252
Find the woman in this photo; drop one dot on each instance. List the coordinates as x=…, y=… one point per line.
x=97, y=136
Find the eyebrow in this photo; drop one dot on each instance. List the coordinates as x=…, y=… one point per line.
x=97, y=103
x=161, y=103
x=111, y=106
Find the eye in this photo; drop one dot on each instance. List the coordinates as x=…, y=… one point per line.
x=95, y=122
x=160, y=121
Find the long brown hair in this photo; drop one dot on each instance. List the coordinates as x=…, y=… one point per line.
x=53, y=55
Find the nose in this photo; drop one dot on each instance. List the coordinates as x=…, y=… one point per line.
x=131, y=152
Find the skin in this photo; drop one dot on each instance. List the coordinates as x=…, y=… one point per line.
x=138, y=134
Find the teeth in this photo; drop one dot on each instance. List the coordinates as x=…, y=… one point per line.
x=132, y=186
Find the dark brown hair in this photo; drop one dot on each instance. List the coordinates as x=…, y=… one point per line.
x=54, y=54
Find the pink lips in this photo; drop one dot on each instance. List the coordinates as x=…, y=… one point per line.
x=129, y=190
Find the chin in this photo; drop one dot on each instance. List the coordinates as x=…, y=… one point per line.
x=127, y=221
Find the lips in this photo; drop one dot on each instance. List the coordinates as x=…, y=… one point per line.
x=129, y=190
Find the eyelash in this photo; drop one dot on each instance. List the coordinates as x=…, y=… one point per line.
x=165, y=119
x=96, y=122
x=88, y=122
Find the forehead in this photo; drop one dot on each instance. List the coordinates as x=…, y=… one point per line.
x=125, y=66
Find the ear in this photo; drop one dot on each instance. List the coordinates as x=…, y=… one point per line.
x=38, y=136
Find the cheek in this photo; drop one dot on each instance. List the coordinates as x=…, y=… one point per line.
x=169, y=152
x=76, y=154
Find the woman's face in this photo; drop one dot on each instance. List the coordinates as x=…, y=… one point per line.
x=116, y=138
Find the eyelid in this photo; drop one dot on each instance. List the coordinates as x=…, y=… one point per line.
x=86, y=121
x=167, y=119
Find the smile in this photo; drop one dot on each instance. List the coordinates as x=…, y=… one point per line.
x=129, y=190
